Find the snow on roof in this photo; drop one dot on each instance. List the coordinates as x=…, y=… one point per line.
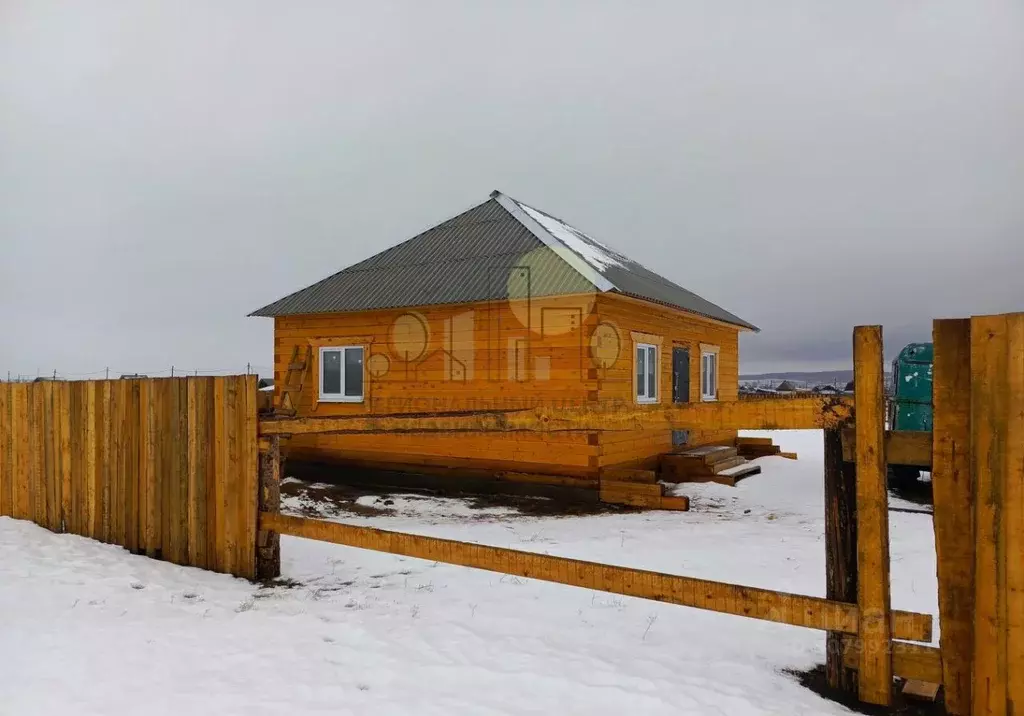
x=590, y=250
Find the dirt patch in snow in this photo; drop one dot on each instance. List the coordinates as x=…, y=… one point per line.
x=814, y=679
x=326, y=500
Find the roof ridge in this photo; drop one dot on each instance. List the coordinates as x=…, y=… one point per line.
x=571, y=257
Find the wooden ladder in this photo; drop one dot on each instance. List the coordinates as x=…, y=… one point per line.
x=294, y=377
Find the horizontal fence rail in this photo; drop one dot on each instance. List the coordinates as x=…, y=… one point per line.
x=796, y=414
x=781, y=607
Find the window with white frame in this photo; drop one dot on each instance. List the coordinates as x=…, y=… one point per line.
x=341, y=374
x=709, y=375
x=646, y=373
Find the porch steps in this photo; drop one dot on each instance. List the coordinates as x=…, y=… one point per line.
x=709, y=463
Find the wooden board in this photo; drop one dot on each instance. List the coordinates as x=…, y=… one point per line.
x=6, y=453
x=953, y=500
x=875, y=672
x=1013, y=523
x=799, y=413
x=840, y=553
x=989, y=387
x=799, y=610
x=909, y=661
x=903, y=447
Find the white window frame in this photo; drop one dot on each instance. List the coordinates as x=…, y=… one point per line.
x=340, y=397
x=648, y=348
x=709, y=385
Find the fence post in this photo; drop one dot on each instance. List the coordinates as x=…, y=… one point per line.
x=953, y=500
x=840, y=552
x=268, y=544
x=875, y=628
x=997, y=449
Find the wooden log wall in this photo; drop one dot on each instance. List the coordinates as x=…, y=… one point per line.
x=164, y=467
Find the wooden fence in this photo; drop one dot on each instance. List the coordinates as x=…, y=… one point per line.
x=976, y=455
x=165, y=467
x=171, y=468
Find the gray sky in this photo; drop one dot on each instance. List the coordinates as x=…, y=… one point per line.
x=167, y=167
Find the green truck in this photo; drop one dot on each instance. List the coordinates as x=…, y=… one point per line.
x=910, y=399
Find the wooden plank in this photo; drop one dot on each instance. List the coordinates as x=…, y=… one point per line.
x=51, y=448
x=248, y=486
x=165, y=453
x=953, y=500
x=135, y=421
x=875, y=672
x=104, y=431
x=177, y=472
x=796, y=609
x=989, y=410
x=63, y=403
x=149, y=497
x=909, y=661
x=36, y=448
x=921, y=690
x=1012, y=540
x=903, y=447
x=117, y=408
x=91, y=501
x=218, y=556
x=233, y=471
x=19, y=453
x=198, y=451
x=6, y=472
x=840, y=553
x=73, y=520
x=798, y=413
x=764, y=442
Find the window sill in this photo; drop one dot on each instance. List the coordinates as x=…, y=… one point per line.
x=647, y=401
x=341, y=398
x=709, y=399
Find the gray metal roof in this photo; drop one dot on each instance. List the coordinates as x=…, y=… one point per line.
x=497, y=250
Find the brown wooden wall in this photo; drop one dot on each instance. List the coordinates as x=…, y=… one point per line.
x=675, y=329
x=164, y=467
x=498, y=355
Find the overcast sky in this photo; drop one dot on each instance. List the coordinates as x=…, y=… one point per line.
x=168, y=167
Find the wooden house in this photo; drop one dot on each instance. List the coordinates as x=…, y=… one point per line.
x=500, y=307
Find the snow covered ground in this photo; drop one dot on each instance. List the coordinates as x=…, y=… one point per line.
x=87, y=628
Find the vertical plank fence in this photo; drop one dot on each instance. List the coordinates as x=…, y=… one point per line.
x=166, y=467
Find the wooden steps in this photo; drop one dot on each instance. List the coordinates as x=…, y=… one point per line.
x=728, y=477
x=709, y=463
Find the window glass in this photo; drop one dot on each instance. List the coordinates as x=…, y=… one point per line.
x=652, y=372
x=353, y=372
x=641, y=388
x=331, y=373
